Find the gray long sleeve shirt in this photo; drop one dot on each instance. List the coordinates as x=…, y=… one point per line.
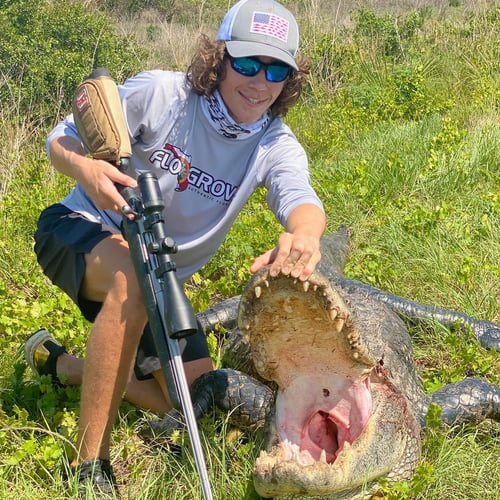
x=169, y=131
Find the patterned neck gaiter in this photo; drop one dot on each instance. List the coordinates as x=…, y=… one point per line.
x=217, y=114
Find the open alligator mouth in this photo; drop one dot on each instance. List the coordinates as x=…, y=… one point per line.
x=329, y=402
x=316, y=417
x=303, y=338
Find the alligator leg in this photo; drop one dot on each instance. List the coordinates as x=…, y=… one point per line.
x=468, y=401
x=245, y=400
x=224, y=314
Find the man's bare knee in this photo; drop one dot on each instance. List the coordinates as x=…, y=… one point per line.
x=109, y=267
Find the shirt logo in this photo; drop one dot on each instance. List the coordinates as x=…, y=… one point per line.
x=269, y=24
x=175, y=161
x=178, y=163
x=184, y=166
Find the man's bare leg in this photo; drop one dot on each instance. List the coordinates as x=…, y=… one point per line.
x=147, y=394
x=111, y=349
x=112, y=344
x=110, y=355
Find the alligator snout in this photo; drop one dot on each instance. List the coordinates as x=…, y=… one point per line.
x=349, y=401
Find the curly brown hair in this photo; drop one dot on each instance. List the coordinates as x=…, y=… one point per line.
x=207, y=69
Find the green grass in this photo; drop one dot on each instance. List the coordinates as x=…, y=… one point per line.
x=404, y=148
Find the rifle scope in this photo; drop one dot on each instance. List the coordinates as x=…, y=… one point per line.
x=177, y=308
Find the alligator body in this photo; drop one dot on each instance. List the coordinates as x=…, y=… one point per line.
x=326, y=369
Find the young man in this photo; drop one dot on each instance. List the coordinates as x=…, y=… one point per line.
x=212, y=136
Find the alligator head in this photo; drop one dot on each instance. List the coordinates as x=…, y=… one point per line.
x=339, y=421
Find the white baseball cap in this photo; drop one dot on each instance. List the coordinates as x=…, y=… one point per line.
x=260, y=28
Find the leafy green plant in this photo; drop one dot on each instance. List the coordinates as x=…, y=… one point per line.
x=49, y=47
x=461, y=359
x=390, y=32
x=412, y=488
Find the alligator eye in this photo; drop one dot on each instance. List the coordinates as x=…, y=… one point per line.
x=326, y=393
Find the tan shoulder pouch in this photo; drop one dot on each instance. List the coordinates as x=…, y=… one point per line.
x=99, y=118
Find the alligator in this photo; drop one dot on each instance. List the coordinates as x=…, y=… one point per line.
x=325, y=369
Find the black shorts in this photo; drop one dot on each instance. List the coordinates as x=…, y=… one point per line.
x=62, y=239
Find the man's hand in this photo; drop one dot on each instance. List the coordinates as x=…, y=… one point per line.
x=294, y=255
x=100, y=180
x=97, y=177
x=297, y=251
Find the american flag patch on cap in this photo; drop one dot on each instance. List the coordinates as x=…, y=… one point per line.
x=270, y=24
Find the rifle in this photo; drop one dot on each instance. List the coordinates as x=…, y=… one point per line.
x=100, y=122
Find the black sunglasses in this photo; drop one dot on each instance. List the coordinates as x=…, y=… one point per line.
x=249, y=66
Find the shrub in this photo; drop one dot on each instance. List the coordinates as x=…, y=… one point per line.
x=47, y=48
x=392, y=33
x=165, y=7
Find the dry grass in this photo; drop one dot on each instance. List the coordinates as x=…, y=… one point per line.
x=171, y=39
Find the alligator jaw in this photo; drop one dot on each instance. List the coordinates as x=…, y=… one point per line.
x=328, y=432
x=302, y=319
x=388, y=445
x=303, y=338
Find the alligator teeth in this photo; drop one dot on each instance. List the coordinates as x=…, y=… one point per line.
x=266, y=282
x=338, y=324
x=258, y=291
x=322, y=457
x=306, y=285
x=315, y=287
x=332, y=313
